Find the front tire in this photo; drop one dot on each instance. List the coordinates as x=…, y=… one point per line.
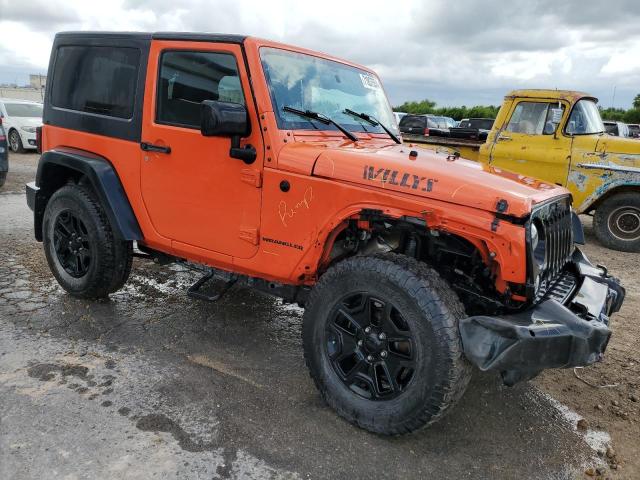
x=83, y=255
x=15, y=142
x=617, y=222
x=381, y=341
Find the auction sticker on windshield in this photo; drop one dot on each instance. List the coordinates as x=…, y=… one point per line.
x=369, y=81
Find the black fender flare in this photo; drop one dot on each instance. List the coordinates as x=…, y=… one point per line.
x=55, y=169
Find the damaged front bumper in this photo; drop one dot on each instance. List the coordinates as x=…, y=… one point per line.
x=561, y=331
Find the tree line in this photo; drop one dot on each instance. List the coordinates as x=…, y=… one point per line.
x=426, y=106
x=457, y=113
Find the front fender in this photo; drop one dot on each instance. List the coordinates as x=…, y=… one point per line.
x=591, y=181
x=58, y=166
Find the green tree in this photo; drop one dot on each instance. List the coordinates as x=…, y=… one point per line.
x=636, y=102
x=418, y=108
x=458, y=113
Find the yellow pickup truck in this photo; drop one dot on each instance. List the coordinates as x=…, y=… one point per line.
x=558, y=136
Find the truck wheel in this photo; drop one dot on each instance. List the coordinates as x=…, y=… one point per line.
x=15, y=142
x=80, y=247
x=381, y=341
x=617, y=222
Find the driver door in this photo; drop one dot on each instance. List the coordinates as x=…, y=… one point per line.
x=532, y=144
x=194, y=192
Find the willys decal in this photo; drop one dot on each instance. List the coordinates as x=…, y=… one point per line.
x=401, y=179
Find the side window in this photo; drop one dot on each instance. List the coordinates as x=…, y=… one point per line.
x=535, y=118
x=99, y=80
x=187, y=78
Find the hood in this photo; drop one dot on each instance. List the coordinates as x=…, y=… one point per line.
x=430, y=175
x=26, y=121
x=626, y=150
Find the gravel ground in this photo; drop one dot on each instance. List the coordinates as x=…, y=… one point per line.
x=151, y=384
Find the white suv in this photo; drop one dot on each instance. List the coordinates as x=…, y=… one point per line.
x=20, y=119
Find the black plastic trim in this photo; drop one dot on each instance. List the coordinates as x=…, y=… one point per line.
x=578, y=230
x=549, y=335
x=199, y=37
x=55, y=169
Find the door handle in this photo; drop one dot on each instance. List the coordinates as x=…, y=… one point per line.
x=503, y=138
x=150, y=147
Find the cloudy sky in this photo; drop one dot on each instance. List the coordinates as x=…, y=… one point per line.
x=461, y=52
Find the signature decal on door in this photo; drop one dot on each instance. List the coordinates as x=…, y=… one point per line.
x=401, y=179
x=286, y=212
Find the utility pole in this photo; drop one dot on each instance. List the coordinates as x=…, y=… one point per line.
x=613, y=98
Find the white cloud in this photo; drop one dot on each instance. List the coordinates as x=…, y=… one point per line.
x=454, y=52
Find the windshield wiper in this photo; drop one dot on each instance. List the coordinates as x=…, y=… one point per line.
x=322, y=119
x=372, y=121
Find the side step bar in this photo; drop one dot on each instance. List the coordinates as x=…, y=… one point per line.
x=194, y=290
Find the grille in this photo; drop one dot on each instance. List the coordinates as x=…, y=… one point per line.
x=553, y=221
x=561, y=289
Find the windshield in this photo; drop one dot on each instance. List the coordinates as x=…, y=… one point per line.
x=311, y=83
x=23, y=109
x=585, y=119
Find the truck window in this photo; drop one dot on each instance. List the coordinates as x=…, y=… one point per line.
x=535, y=118
x=99, y=80
x=187, y=78
x=584, y=119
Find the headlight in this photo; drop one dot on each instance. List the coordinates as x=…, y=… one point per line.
x=535, y=238
x=28, y=129
x=538, y=246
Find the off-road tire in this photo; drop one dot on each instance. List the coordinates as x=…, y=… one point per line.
x=623, y=207
x=110, y=258
x=15, y=142
x=432, y=311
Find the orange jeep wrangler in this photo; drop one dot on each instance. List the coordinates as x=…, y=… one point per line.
x=282, y=169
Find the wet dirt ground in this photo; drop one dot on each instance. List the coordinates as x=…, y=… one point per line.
x=152, y=384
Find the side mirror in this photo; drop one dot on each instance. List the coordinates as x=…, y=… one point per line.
x=227, y=119
x=223, y=119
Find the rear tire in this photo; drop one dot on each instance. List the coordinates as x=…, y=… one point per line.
x=15, y=142
x=423, y=372
x=617, y=222
x=83, y=255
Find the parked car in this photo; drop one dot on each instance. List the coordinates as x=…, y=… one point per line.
x=474, y=128
x=411, y=265
x=398, y=116
x=424, y=125
x=617, y=129
x=4, y=155
x=20, y=119
x=634, y=130
x=450, y=122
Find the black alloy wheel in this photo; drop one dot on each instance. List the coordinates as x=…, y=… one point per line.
x=71, y=244
x=84, y=255
x=371, y=347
